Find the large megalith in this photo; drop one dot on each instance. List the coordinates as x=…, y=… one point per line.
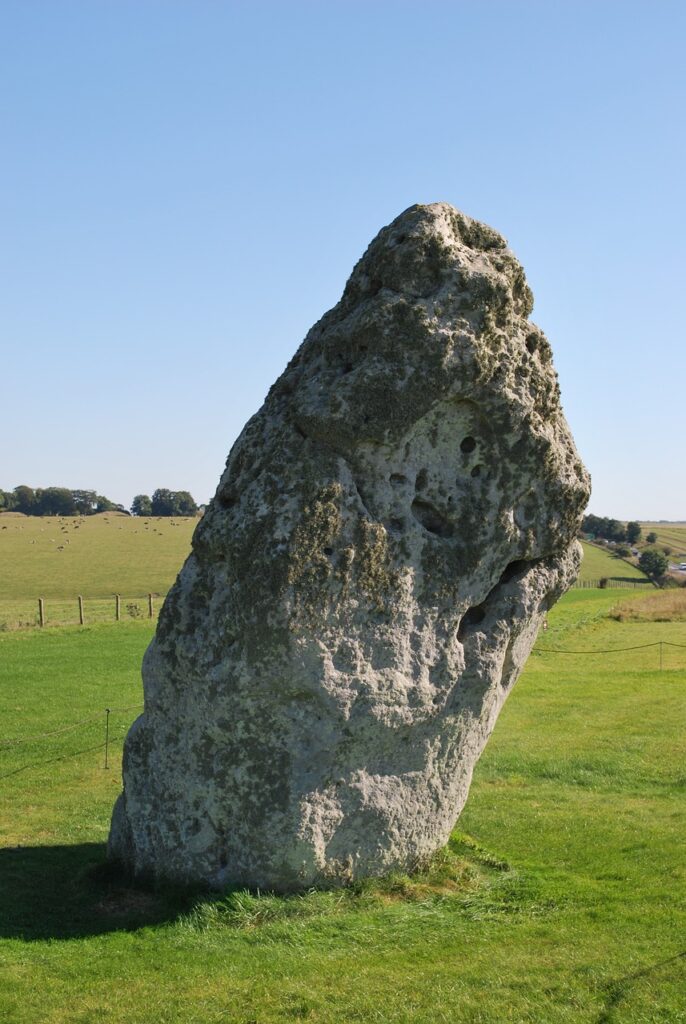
x=366, y=584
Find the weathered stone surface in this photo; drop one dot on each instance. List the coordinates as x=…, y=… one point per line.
x=366, y=584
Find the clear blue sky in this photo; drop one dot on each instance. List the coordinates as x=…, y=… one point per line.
x=185, y=186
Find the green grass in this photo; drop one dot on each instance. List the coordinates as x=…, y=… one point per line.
x=598, y=563
x=562, y=896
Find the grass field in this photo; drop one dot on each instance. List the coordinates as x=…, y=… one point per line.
x=671, y=535
x=598, y=563
x=94, y=556
x=562, y=897
x=103, y=555
x=97, y=556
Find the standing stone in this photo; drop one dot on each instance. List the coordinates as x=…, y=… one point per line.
x=366, y=584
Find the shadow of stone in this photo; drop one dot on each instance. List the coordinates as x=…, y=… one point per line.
x=69, y=892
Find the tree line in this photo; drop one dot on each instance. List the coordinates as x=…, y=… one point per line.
x=55, y=501
x=612, y=529
x=64, y=501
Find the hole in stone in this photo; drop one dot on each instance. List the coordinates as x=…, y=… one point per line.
x=347, y=368
x=300, y=431
x=227, y=500
x=400, y=239
x=375, y=286
x=476, y=471
x=514, y=569
x=397, y=479
x=468, y=445
x=328, y=551
x=532, y=343
x=472, y=617
x=396, y=525
x=431, y=519
x=421, y=480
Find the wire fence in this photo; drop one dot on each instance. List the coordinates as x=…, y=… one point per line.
x=39, y=612
x=32, y=613
x=610, y=583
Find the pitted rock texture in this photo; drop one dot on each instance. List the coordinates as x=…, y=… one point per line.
x=366, y=584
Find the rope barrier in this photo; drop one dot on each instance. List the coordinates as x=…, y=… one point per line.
x=611, y=650
x=38, y=737
x=21, y=741
x=51, y=760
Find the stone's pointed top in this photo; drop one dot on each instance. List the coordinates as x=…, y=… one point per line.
x=451, y=223
x=366, y=584
x=434, y=248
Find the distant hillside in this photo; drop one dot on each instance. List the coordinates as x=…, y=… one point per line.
x=670, y=535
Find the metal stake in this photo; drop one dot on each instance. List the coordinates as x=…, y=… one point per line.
x=107, y=735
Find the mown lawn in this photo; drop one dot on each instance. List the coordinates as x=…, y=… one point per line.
x=598, y=563
x=561, y=898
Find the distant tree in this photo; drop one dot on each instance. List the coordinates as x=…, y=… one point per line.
x=667, y=550
x=56, y=501
x=163, y=502
x=622, y=551
x=53, y=501
x=185, y=504
x=24, y=499
x=616, y=531
x=173, y=503
x=653, y=563
x=141, y=505
x=103, y=504
x=5, y=499
x=593, y=525
x=652, y=538
x=85, y=502
x=633, y=532
x=608, y=529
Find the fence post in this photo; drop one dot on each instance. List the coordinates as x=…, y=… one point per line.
x=150, y=609
x=41, y=611
x=80, y=610
x=107, y=735
x=660, y=655
x=117, y=607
